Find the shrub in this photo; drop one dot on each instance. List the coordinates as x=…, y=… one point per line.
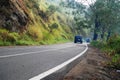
x=13, y=37
x=6, y=36
x=114, y=44
x=53, y=26
x=25, y=37
x=35, y=33
x=112, y=48
x=115, y=62
x=2, y=43
x=42, y=42
x=98, y=44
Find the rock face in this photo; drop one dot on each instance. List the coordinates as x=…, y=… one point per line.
x=13, y=15
x=33, y=17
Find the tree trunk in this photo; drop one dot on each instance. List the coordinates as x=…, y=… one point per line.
x=108, y=36
x=103, y=33
x=95, y=35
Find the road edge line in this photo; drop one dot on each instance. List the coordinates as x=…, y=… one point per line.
x=50, y=71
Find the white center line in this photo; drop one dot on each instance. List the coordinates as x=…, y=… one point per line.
x=50, y=71
x=20, y=54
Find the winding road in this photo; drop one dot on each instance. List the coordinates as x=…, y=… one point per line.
x=31, y=62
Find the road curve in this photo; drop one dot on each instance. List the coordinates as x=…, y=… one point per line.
x=23, y=63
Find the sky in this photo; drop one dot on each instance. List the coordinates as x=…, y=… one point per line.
x=86, y=2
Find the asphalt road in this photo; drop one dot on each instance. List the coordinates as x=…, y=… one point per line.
x=23, y=63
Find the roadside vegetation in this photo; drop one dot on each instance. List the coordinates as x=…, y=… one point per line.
x=29, y=38
x=106, y=29
x=111, y=48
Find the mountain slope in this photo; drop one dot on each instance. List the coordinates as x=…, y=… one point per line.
x=33, y=22
x=13, y=15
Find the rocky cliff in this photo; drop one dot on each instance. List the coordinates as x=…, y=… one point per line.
x=13, y=15
x=33, y=20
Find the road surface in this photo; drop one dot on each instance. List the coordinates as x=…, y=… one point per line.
x=23, y=63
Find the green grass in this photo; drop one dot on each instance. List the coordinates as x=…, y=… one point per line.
x=12, y=38
x=5, y=43
x=22, y=42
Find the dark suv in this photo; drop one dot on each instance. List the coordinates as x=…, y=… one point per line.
x=78, y=39
x=87, y=40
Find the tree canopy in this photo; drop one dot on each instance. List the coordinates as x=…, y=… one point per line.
x=105, y=17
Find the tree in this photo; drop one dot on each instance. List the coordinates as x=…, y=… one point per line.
x=105, y=17
x=76, y=10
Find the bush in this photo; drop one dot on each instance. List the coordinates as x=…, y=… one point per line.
x=1, y=43
x=13, y=37
x=35, y=33
x=5, y=43
x=6, y=36
x=112, y=48
x=114, y=44
x=98, y=44
x=42, y=42
x=25, y=37
x=116, y=61
x=53, y=26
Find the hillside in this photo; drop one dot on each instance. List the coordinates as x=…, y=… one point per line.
x=33, y=22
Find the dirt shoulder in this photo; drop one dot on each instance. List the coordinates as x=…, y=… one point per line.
x=92, y=67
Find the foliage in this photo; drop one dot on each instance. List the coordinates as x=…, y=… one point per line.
x=12, y=38
x=51, y=10
x=98, y=44
x=105, y=16
x=8, y=36
x=53, y=26
x=35, y=33
x=2, y=43
x=95, y=43
x=76, y=11
x=114, y=43
x=24, y=42
x=115, y=62
x=15, y=36
x=112, y=49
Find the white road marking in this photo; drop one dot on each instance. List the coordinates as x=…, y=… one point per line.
x=50, y=71
x=20, y=54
